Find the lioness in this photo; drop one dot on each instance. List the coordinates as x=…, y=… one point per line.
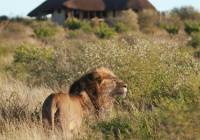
x=93, y=91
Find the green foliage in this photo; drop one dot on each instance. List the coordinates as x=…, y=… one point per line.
x=195, y=41
x=192, y=26
x=118, y=128
x=170, y=23
x=197, y=54
x=3, y=18
x=120, y=27
x=172, y=29
x=6, y=52
x=128, y=18
x=73, y=34
x=27, y=53
x=186, y=13
x=148, y=20
x=22, y=20
x=73, y=23
x=31, y=62
x=44, y=29
x=86, y=26
x=104, y=31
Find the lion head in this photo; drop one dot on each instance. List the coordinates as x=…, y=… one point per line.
x=101, y=86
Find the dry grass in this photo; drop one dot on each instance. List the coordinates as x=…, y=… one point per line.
x=20, y=110
x=162, y=76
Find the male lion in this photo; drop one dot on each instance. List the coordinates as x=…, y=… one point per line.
x=93, y=91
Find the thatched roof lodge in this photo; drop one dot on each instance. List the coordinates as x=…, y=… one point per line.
x=61, y=9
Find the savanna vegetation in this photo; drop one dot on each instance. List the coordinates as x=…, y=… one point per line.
x=157, y=55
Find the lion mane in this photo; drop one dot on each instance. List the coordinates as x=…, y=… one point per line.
x=90, y=94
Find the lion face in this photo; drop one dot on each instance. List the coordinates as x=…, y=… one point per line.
x=113, y=87
x=101, y=85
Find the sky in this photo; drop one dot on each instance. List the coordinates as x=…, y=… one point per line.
x=23, y=7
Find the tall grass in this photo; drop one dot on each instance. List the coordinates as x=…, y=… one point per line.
x=163, y=86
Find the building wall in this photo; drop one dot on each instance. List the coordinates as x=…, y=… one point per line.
x=59, y=17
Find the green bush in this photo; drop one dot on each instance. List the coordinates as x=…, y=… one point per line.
x=120, y=27
x=86, y=26
x=195, y=41
x=104, y=31
x=128, y=18
x=118, y=128
x=197, y=54
x=73, y=23
x=170, y=23
x=172, y=29
x=73, y=34
x=44, y=66
x=148, y=20
x=45, y=29
x=3, y=18
x=31, y=62
x=192, y=26
x=29, y=53
x=186, y=13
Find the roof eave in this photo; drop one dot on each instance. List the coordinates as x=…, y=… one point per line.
x=41, y=10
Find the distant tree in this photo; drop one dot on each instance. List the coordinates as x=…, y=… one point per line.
x=186, y=13
x=3, y=18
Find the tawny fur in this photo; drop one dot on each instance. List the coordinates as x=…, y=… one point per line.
x=93, y=92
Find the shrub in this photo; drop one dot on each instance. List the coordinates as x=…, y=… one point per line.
x=186, y=13
x=170, y=23
x=192, y=26
x=148, y=20
x=86, y=26
x=73, y=34
x=118, y=128
x=45, y=29
x=195, y=41
x=73, y=23
x=120, y=27
x=28, y=53
x=197, y=54
x=32, y=62
x=4, y=18
x=22, y=20
x=128, y=18
x=172, y=29
x=104, y=31
x=38, y=66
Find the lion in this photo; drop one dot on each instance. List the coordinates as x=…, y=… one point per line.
x=91, y=94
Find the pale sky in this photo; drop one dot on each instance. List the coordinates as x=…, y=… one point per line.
x=23, y=7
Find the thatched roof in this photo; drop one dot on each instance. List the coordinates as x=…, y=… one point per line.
x=101, y=5
x=85, y=5
x=47, y=7
x=90, y=5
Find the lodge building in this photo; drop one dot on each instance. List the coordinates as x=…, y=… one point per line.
x=62, y=9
